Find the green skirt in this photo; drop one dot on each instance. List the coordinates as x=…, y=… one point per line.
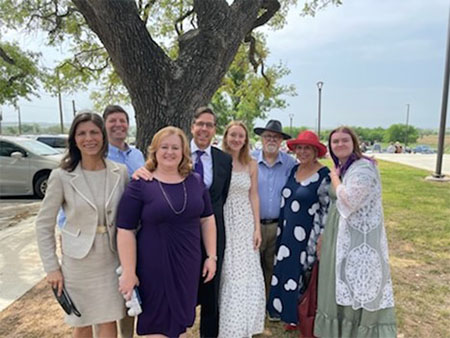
x=333, y=320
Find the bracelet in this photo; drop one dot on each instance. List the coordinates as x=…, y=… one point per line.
x=214, y=258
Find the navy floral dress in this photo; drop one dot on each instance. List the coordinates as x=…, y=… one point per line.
x=303, y=212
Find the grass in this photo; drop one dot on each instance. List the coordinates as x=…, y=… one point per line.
x=417, y=215
x=417, y=218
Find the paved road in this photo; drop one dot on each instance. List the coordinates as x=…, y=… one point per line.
x=20, y=265
x=422, y=161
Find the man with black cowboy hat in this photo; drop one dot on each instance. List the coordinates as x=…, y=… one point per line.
x=274, y=167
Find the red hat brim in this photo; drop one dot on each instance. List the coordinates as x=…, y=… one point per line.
x=321, y=148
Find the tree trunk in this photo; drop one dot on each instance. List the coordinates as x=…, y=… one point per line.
x=164, y=91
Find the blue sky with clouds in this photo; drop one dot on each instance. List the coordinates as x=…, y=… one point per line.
x=374, y=57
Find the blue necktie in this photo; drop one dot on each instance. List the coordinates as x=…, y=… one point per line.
x=198, y=163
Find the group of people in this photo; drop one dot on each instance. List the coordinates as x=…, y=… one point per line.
x=231, y=230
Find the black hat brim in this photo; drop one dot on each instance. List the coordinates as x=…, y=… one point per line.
x=259, y=131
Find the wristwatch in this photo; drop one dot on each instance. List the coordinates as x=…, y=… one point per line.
x=214, y=258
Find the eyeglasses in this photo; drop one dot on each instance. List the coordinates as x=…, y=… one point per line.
x=274, y=137
x=202, y=124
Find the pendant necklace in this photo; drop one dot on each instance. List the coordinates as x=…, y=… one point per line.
x=168, y=200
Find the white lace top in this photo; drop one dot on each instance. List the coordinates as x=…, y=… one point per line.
x=363, y=278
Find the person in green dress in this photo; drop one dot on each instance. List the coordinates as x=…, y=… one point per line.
x=355, y=296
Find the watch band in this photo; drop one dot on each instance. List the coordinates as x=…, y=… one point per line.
x=214, y=258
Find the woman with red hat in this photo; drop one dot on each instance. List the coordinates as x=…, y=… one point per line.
x=304, y=205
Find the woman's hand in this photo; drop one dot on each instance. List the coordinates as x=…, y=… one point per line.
x=334, y=175
x=143, y=173
x=127, y=282
x=319, y=247
x=56, y=280
x=257, y=239
x=209, y=269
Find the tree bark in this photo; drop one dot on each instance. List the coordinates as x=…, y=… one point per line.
x=164, y=91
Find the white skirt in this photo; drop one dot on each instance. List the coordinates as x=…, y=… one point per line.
x=93, y=285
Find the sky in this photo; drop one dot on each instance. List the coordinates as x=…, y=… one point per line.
x=374, y=57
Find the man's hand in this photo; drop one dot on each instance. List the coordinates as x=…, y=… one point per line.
x=143, y=173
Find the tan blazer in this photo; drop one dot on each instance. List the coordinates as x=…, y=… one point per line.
x=70, y=190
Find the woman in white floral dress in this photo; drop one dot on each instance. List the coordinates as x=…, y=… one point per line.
x=355, y=297
x=241, y=293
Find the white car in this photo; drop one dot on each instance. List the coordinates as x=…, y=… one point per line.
x=25, y=165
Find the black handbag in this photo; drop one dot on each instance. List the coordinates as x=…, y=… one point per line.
x=66, y=302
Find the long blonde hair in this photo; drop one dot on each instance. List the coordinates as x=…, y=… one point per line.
x=185, y=166
x=244, y=154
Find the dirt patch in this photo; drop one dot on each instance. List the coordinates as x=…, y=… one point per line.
x=37, y=314
x=14, y=213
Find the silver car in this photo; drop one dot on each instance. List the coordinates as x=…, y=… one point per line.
x=25, y=165
x=59, y=141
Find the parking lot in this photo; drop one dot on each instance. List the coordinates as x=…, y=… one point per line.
x=421, y=161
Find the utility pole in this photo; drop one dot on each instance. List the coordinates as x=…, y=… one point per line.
x=73, y=106
x=20, y=121
x=438, y=174
x=60, y=104
x=1, y=119
x=407, y=121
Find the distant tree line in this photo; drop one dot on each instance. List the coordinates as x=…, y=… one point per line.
x=396, y=132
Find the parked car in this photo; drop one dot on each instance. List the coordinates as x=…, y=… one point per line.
x=25, y=165
x=423, y=149
x=59, y=141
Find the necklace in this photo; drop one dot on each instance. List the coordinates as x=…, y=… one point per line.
x=168, y=200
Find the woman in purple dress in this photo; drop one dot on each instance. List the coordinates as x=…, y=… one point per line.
x=172, y=213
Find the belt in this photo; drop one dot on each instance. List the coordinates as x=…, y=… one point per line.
x=269, y=221
x=101, y=229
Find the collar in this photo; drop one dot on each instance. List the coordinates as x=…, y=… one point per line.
x=194, y=148
x=279, y=158
x=117, y=150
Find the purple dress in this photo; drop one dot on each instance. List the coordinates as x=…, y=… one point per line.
x=168, y=249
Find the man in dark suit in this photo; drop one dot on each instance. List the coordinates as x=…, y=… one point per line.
x=215, y=167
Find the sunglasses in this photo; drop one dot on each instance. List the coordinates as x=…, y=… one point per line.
x=66, y=302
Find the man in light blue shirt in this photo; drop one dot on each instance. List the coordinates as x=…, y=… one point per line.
x=274, y=167
x=117, y=123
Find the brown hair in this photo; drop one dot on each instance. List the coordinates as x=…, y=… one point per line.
x=356, y=153
x=244, y=153
x=203, y=110
x=185, y=166
x=71, y=159
x=349, y=131
x=111, y=109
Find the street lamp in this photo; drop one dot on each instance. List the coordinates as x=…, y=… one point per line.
x=319, y=87
x=407, y=121
x=291, y=116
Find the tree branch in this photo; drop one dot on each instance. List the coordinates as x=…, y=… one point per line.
x=271, y=7
x=54, y=17
x=180, y=19
x=6, y=57
x=14, y=78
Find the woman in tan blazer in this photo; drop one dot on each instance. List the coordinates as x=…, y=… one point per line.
x=88, y=187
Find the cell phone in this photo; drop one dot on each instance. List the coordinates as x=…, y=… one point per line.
x=66, y=302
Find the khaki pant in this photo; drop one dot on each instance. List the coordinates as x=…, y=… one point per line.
x=267, y=251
